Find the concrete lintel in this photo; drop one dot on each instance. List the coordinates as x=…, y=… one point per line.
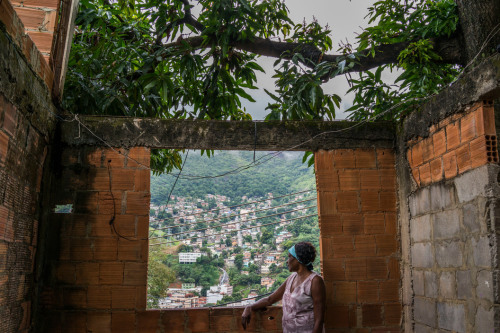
x=480, y=83
x=226, y=135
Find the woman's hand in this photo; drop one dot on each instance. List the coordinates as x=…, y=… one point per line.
x=246, y=316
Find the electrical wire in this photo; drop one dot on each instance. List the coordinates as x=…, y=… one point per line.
x=492, y=33
x=228, y=232
x=239, y=205
x=113, y=218
x=226, y=224
x=234, y=215
x=173, y=186
x=243, y=299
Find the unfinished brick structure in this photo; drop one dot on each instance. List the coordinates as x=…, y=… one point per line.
x=407, y=216
x=452, y=222
x=359, y=247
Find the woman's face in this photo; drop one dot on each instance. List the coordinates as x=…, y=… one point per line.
x=292, y=263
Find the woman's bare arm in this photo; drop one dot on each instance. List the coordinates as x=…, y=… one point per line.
x=262, y=304
x=318, y=294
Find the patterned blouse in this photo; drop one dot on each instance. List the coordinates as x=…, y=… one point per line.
x=298, y=315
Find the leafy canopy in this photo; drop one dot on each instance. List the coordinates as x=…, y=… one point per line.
x=198, y=59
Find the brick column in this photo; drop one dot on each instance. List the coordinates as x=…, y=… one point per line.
x=359, y=242
x=100, y=274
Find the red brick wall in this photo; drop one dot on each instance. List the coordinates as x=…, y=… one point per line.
x=98, y=282
x=97, y=270
x=22, y=155
x=359, y=239
x=39, y=18
x=16, y=29
x=458, y=143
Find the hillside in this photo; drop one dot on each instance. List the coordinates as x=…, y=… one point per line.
x=280, y=175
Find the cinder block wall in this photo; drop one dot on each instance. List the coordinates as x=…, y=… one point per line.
x=359, y=239
x=451, y=227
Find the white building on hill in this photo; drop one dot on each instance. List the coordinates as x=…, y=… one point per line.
x=189, y=257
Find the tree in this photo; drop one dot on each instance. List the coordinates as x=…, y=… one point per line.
x=159, y=276
x=238, y=261
x=198, y=59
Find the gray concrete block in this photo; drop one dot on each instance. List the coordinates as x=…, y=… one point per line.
x=418, y=283
x=421, y=255
x=485, y=322
x=484, y=287
x=451, y=316
x=431, y=286
x=441, y=196
x=419, y=328
x=420, y=202
x=420, y=228
x=470, y=308
x=449, y=254
x=472, y=184
x=464, y=284
x=481, y=251
x=446, y=224
x=447, y=285
x=471, y=218
x=424, y=311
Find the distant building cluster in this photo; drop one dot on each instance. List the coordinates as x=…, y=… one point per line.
x=182, y=214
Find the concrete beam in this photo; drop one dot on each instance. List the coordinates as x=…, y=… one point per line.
x=226, y=135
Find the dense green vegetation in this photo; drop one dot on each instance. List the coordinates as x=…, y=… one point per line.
x=280, y=175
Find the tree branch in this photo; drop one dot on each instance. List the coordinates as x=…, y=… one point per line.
x=447, y=48
x=187, y=19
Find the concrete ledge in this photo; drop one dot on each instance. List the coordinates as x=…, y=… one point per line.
x=226, y=135
x=481, y=83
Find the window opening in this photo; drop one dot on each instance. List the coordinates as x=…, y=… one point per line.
x=222, y=236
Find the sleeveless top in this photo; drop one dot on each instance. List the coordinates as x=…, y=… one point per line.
x=298, y=315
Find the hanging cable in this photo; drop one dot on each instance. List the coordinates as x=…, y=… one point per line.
x=234, y=215
x=243, y=299
x=173, y=186
x=113, y=218
x=239, y=205
x=226, y=224
x=228, y=232
x=492, y=33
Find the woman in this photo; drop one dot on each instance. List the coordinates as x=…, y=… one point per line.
x=303, y=294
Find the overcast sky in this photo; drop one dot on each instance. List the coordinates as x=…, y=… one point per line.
x=345, y=18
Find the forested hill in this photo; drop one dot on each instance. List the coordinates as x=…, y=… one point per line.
x=280, y=175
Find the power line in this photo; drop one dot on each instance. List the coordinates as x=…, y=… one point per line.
x=173, y=186
x=226, y=224
x=492, y=33
x=243, y=299
x=234, y=215
x=227, y=232
x=243, y=204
